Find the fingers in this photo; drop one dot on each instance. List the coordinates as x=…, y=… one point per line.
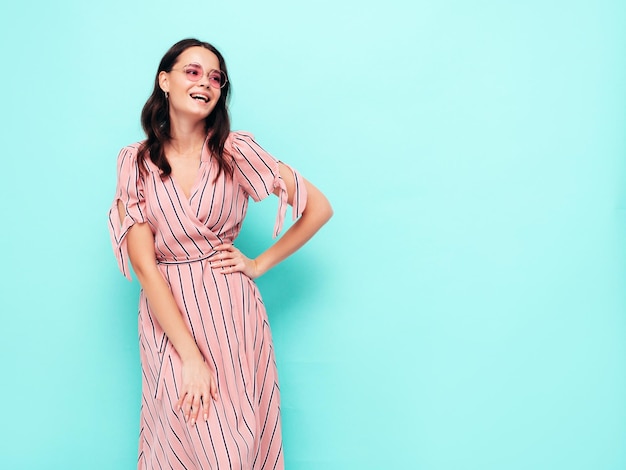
x=227, y=265
x=179, y=404
x=224, y=247
x=205, y=409
x=187, y=407
x=195, y=410
x=195, y=406
x=225, y=252
x=199, y=384
x=213, y=389
x=206, y=402
x=190, y=408
x=228, y=259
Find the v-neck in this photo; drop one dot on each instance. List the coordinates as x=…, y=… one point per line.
x=192, y=189
x=204, y=157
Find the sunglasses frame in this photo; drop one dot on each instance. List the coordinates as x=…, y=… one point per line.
x=184, y=69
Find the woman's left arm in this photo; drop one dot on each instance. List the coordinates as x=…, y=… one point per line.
x=316, y=213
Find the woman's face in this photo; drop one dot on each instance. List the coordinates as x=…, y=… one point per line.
x=189, y=98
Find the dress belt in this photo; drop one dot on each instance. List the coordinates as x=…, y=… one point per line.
x=187, y=261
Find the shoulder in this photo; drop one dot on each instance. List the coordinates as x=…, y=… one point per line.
x=238, y=139
x=244, y=149
x=128, y=155
x=242, y=144
x=254, y=168
x=130, y=151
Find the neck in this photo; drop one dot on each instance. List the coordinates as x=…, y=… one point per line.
x=186, y=137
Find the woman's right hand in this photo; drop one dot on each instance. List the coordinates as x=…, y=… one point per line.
x=199, y=385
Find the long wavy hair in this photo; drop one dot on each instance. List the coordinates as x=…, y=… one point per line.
x=155, y=116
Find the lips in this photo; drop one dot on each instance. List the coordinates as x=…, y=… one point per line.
x=200, y=97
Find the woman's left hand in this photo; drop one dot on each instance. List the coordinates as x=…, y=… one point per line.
x=230, y=260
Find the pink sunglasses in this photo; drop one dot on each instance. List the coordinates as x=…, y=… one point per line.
x=194, y=72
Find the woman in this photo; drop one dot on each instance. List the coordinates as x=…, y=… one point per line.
x=210, y=396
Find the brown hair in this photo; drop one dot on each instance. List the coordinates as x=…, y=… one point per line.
x=155, y=117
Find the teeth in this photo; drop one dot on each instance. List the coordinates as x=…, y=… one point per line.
x=200, y=97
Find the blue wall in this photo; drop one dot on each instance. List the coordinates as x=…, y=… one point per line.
x=465, y=307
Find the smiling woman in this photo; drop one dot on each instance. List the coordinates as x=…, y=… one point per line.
x=210, y=395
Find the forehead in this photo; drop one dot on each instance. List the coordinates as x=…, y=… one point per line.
x=199, y=55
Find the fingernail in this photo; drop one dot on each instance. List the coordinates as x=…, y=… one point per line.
x=206, y=417
x=193, y=421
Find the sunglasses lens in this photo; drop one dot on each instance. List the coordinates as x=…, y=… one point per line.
x=217, y=79
x=194, y=72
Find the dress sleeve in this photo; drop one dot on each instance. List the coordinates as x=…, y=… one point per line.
x=257, y=173
x=130, y=192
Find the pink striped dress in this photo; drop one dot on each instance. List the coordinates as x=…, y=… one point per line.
x=224, y=312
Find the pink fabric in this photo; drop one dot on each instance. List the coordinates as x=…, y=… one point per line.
x=224, y=312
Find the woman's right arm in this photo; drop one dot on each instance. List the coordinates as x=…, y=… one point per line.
x=198, y=381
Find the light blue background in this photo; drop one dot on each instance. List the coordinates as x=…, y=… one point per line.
x=465, y=307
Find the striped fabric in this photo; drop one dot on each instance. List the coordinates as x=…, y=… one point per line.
x=224, y=312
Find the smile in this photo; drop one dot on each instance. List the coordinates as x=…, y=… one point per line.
x=200, y=97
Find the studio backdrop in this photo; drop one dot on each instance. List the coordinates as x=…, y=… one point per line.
x=463, y=310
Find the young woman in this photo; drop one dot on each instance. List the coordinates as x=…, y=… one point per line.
x=210, y=396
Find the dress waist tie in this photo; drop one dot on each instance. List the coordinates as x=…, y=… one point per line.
x=186, y=261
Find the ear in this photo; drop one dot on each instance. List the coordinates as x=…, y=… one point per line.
x=164, y=81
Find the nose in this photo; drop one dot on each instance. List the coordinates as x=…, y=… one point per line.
x=204, y=81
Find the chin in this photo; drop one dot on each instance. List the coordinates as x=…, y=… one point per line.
x=201, y=115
